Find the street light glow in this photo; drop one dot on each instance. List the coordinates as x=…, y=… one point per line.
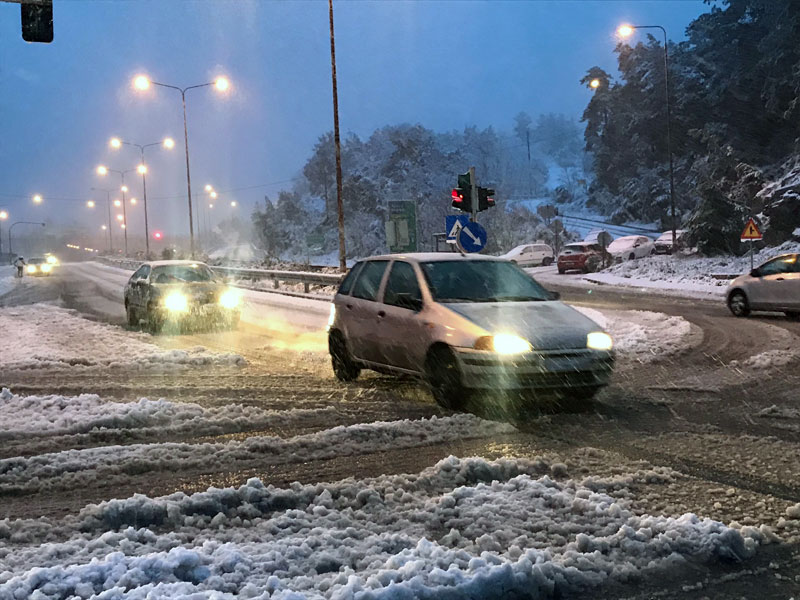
x=122, y=226
x=120, y=217
x=210, y=206
x=37, y=199
x=209, y=188
x=101, y=170
x=141, y=169
x=115, y=142
x=103, y=227
x=233, y=203
x=221, y=84
x=117, y=203
x=3, y=215
x=90, y=203
x=625, y=31
x=141, y=82
x=214, y=194
x=169, y=143
x=133, y=200
x=124, y=188
x=595, y=83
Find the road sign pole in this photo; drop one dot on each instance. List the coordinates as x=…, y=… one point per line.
x=474, y=184
x=751, y=254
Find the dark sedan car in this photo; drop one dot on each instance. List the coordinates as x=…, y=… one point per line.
x=179, y=293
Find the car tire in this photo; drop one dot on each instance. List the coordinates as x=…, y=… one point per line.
x=154, y=322
x=561, y=271
x=632, y=256
x=738, y=304
x=444, y=378
x=547, y=261
x=793, y=315
x=343, y=365
x=131, y=316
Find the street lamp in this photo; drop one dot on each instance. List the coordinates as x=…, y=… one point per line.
x=625, y=31
x=37, y=199
x=133, y=201
x=90, y=203
x=103, y=170
x=141, y=82
x=108, y=206
x=167, y=143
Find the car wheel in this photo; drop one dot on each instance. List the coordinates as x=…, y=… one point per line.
x=653, y=252
x=632, y=256
x=561, y=271
x=444, y=378
x=577, y=400
x=343, y=366
x=130, y=314
x=547, y=261
x=793, y=315
x=738, y=305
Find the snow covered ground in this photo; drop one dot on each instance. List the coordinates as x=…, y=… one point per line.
x=461, y=528
x=7, y=280
x=43, y=336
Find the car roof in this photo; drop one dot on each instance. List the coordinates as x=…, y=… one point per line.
x=436, y=257
x=164, y=263
x=628, y=237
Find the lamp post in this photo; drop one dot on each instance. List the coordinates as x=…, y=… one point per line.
x=102, y=170
x=626, y=31
x=338, y=149
x=221, y=83
x=10, y=251
x=108, y=206
x=167, y=143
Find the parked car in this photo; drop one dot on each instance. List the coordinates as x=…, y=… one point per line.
x=773, y=285
x=631, y=247
x=179, y=293
x=581, y=256
x=38, y=267
x=531, y=255
x=463, y=323
x=663, y=244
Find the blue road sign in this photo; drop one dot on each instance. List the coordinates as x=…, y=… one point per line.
x=472, y=237
x=453, y=224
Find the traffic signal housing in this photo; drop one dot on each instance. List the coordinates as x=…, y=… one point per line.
x=485, y=198
x=462, y=199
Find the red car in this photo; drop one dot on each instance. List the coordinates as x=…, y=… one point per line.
x=581, y=256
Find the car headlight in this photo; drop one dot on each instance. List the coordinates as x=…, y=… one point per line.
x=230, y=299
x=52, y=260
x=31, y=269
x=46, y=268
x=176, y=302
x=508, y=343
x=599, y=340
x=332, y=316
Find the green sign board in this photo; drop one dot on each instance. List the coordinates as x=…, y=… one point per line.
x=401, y=227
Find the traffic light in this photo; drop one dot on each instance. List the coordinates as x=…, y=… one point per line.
x=157, y=235
x=462, y=195
x=485, y=198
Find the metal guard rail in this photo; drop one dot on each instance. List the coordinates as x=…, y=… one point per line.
x=306, y=278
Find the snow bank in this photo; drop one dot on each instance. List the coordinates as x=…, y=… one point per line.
x=42, y=336
x=24, y=417
x=464, y=528
x=643, y=336
x=72, y=469
x=770, y=359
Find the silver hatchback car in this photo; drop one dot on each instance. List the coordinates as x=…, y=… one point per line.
x=774, y=285
x=461, y=323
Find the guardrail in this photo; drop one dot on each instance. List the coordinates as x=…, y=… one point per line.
x=275, y=275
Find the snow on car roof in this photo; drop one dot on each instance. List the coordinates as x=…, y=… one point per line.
x=163, y=263
x=435, y=257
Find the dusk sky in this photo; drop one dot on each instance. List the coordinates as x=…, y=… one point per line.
x=441, y=64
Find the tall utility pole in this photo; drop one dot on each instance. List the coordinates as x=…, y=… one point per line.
x=337, y=144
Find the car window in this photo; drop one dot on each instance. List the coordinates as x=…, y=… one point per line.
x=481, y=281
x=138, y=274
x=145, y=269
x=349, y=279
x=369, y=279
x=402, y=280
x=777, y=266
x=182, y=273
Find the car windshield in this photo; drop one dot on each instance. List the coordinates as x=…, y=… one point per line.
x=574, y=249
x=622, y=243
x=36, y=261
x=481, y=281
x=181, y=273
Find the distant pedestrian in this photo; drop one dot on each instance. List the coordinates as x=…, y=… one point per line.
x=19, y=262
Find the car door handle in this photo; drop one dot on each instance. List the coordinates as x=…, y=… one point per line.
x=381, y=314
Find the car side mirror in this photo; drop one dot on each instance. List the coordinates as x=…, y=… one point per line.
x=409, y=301
x=553, y=295
x=755, y=273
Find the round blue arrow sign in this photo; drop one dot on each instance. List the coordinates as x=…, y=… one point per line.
x=472, y=237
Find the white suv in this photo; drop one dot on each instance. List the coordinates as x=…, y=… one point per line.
x=531, y=255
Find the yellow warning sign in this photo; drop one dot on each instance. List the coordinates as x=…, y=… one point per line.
x=751, y=231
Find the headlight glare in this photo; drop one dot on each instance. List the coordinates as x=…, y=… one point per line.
x=46, y=268
x=31, y=269
x=52, y=260
x=230, y=299
x=176, y=302
x=599, y=340
x=508, y=343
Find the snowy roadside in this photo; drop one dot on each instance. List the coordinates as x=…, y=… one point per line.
x=461, y=528
x=43, y=336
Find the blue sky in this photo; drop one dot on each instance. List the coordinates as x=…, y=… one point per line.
x=443, y=64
